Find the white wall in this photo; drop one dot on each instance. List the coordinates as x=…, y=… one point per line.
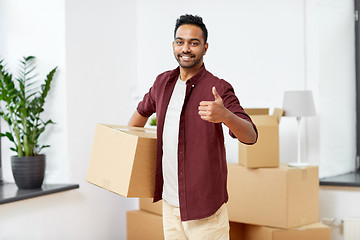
x=259, y=47
x=94, y=45
x=46, y=41
x=101, y=72
x=109, y=53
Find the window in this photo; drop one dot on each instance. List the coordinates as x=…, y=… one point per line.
x=352, y=178
x=357, y=67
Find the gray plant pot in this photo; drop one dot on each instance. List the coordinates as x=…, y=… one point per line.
x=28, y=172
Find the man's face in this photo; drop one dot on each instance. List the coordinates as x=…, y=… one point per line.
x=189, y=46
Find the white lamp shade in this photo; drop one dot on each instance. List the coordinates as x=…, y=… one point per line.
x=298, y=104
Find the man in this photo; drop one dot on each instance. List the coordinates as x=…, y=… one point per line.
x=191, y=104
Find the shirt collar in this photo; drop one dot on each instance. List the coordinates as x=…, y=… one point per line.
x=194, y=79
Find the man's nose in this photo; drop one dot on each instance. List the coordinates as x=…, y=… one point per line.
x=186, y=48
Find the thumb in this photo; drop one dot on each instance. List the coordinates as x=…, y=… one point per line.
x=216, y=94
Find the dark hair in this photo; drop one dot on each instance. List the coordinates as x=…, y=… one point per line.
x=192, y=20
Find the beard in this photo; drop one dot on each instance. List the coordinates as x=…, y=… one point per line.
x=188, y=64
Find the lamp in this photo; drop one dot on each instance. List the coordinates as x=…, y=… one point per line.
x=298, y=104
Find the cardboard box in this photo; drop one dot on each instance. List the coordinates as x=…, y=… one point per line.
x=315, y=231
x=142, y=225
x=265, y=152
x=283, y=197
x=147, y=204
x=123, y=160
x=237, y=231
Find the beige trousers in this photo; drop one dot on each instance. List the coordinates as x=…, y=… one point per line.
x=215, y=227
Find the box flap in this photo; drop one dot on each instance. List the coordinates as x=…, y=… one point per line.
x=257, y=111
x=278, y=113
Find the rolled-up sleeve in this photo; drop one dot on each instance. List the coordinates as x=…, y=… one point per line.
x=232, y=103
x=148, y=105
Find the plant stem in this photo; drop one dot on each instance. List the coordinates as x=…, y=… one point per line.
x=17, y=135
x=26, y=142
x=24, y=115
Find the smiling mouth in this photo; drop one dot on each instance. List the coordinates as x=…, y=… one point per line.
x=186, y=57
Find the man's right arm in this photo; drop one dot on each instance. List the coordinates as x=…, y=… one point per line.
x=137, y=120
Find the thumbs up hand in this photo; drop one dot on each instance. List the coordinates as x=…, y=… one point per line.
x=216, y=94
x=213, y=111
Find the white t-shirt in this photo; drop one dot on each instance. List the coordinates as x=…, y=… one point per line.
x=170, y=144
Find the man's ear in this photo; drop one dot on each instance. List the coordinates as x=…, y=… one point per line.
x=205, y=48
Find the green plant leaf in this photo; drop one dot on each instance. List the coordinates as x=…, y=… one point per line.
x=10, y=137
x=13, y=149
x=44, y=146
x=29, y=58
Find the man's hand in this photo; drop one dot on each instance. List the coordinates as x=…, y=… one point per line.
x=213, y=111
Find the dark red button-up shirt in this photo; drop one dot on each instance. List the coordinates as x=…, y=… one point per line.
x=202, y=168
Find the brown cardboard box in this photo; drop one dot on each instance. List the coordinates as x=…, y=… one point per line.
x=142, y=225
x=265, y=152
x=123, y=160
x=283, y=197
x=236, y=231
x=315, y=231
x=147, y=204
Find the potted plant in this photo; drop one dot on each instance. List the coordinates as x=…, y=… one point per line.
x=152, y=121
x=22, y=101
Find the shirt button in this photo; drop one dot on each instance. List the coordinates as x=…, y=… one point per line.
x=192, y=85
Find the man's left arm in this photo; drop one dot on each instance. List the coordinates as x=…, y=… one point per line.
x=216, y=112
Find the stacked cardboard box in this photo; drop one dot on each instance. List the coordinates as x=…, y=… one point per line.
x=150, y=213
x=268, y=200
x=142, y=225
x=145, y=223
x=148, y=205
x=316, y=231
x=237, y=231
x=241, y=231
x=282, y=197
x=252, y=156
